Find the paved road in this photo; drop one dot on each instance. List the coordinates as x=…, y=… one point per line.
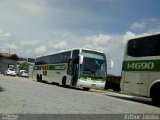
x=23, y=95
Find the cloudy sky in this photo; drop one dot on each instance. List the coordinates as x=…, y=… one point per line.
x=36, y=27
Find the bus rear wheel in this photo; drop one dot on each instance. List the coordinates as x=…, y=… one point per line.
x=155, y=97
x=39, y=77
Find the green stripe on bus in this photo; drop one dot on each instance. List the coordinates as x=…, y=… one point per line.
x=141, y=65
x=50, y=67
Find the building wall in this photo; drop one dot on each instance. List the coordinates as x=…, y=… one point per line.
x=30, y=71
x=5, y=63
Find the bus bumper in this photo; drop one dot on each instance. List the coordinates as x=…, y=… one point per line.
x=90, y=84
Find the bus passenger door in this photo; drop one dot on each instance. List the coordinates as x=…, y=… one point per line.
x=132, y=82
x=69, y=72
x=75, y=72
x=144, y=84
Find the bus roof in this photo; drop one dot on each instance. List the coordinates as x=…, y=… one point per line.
x=70, y=50
x=144, y=35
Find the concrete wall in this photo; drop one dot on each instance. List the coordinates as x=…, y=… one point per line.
x=30, y=71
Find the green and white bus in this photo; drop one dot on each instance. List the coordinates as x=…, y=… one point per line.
x=141, y=67
x=78, y=67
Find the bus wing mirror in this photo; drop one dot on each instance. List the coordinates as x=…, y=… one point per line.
x=80, y=59
x=110, y=64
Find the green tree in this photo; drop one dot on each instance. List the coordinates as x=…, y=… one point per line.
x=24, y=66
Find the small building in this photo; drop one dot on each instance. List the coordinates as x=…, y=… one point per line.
x=8, y=61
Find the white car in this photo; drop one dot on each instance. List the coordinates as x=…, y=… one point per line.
x=23, y=73
x=11, y=72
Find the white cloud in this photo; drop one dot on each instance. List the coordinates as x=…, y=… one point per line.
x=20, y=12
x=60, y=34
x=14, y=46
x=65, y=34
x=32, y=8
x=100, y=40
x=9, y=47
x=92, y=47
x=29, y=43
x=40, y=50
x=154, y=30
x=59, y=46
x=128, y=35
x=6, y=43
x=137, y=25
x=4, y=35
x=108, y=42
x=153, y=19
x=105, y=1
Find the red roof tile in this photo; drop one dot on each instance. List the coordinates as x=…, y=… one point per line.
x=9, y=56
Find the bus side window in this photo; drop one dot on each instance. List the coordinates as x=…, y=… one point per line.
x=157, y=45
x=157, y=49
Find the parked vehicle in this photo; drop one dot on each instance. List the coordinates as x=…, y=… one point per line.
x=23, y=73
x=141, y=67
x=82, y=68
x=10, y=72
x=113, y=82
x=20, y=72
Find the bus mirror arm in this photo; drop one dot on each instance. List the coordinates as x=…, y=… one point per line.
x=111, y=63
x=80, y=59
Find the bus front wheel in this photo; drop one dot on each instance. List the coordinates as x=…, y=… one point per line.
x=64, y=82
x=86, y=89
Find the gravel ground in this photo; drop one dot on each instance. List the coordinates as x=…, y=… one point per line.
x=24, y=95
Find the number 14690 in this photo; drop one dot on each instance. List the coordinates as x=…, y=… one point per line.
x=141, y=65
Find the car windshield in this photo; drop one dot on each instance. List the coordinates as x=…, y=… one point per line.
x=92, y=67
x=11, y=70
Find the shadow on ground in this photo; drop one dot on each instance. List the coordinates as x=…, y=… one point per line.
x=142, y=100
x=1, y=89
x=68, y=87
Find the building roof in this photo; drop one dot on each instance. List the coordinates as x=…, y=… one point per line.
x=9, y=56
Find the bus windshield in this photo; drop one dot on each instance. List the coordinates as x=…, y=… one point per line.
x=94, y=65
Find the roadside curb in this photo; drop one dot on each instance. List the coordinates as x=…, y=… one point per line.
x=98, y=91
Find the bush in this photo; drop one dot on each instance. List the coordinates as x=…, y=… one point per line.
x=24, y=66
